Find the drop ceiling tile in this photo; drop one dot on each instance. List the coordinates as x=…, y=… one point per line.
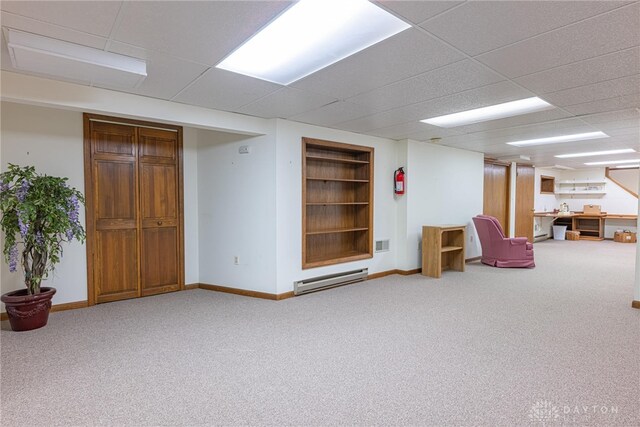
x=475, y=98
x=93, y=17
x=481, y=26
x=285, y=103
x=413, y=130
x=606, y=33
x=224, y=90
x=525, y=119
x=166, y=75
x=604, y=67
x=539, y=130
x=595, y=92
x=447, y=80
x=200, y=31
x=404, y=55
x=417, y=11
x=17, y=22
x=336, y=112
x=604, y=105
x=606, y=118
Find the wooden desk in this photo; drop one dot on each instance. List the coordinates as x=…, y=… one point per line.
x=443, y=248
x=590, y=226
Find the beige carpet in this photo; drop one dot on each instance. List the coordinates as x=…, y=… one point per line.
x=555, y=345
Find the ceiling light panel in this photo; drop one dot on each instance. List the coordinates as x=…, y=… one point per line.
x=493, y=112
x=309, y=36
x=637, y=165
x=613, y=162
x=559, y=139
x=596, y=153
x=44, y=55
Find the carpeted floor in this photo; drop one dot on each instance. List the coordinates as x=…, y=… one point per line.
x=558, y=344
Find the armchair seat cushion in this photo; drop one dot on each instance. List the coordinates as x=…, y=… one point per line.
x=501, y=251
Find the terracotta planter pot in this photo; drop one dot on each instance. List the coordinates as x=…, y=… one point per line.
x=27, y=312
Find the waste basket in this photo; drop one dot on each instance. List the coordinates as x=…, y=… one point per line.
x=559, y=232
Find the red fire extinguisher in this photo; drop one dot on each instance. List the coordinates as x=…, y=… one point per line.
x=398, y=180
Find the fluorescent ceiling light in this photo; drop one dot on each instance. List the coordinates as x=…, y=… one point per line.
x=309, y=36
x=561, y=138
x=563, y=167
x=493, y=112
x=627, y=166
x=596, y=153
x=612, y=162
x=44, y=55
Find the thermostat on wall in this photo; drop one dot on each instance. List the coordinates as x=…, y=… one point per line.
x=244, y=149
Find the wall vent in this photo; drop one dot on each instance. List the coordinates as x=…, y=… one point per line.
x=382, y=245
x=323, y=282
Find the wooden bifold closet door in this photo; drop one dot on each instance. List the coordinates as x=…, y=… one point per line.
x=133, y=180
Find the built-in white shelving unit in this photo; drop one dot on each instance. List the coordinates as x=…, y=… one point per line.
x=579, y=187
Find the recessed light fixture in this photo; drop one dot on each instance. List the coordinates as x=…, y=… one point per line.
x=560, y=138
x=493, y=112
x=53, y=57
x=613, y=162
x=637, y=165
x=563, y=167
x=309, y=36
x=596, y=153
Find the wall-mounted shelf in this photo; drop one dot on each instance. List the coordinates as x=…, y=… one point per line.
x=337, y=202
x=580, y=188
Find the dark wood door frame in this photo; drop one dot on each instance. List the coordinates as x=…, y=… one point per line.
x=89, y=194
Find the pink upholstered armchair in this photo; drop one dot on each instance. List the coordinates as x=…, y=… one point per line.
x=500, y=251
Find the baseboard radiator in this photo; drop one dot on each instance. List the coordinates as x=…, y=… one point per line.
x=330, y=281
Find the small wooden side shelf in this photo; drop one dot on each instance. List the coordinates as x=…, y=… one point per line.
x=337, y=202
x=443, y=248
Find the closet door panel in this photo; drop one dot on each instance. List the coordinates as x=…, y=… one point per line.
x=115, y=218
x=116, y=269
x=159, y=260
x=158, y=189
x=160, y=250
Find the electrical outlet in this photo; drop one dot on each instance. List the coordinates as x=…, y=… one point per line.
x=236, y=260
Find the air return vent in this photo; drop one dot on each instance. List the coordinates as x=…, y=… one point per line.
x=330, y=281
x=382, y=245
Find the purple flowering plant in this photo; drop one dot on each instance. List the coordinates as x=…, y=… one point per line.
x=39, y=213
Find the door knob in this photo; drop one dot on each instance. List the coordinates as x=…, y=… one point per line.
x=159, y=222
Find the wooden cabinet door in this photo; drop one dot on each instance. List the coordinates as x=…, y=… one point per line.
x=524, y=201
x=159, y=209
x=115, y=218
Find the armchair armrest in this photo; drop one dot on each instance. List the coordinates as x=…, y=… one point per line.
x=518, y=241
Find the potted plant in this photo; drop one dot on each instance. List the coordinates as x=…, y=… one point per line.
x=39, y=213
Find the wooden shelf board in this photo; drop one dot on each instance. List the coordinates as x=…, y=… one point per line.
x=336, y=203
x=582, y=237
x=338, y=160
x=581, y=192
x=336, y=230
x=335, y=258
x=336, y=179
x=451, y=248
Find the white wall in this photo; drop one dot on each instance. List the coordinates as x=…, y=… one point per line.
x=237, y=211
x=444, y=186
x=627, y=177
x=289, y=201
x=52, y=140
